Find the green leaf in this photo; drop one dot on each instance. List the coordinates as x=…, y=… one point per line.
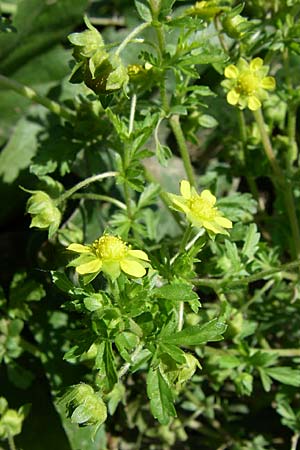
x=285, y=375
x=252, y=239
x=176, y=291
x=160, y=395
x=207, y=121
x=175, y=352
x=265, y=379
x=238, y=206
x=197, y=335
x=143, y=10
x=163, y=154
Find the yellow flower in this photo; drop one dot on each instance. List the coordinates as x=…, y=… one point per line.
x=200, y=209
x=110, y=255
x=247, y=83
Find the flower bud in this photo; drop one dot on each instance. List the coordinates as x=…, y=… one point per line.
x=44, y=212
x=84, y=405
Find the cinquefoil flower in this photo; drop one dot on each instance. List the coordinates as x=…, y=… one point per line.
x=110, y=255
x=200, y=209
x=247, y=83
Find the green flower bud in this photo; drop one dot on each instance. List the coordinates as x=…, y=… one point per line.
x=206, y=10
x=101, y=71
x=235, y=26
x=44, y=212
x=11, y=423
x=85, y=406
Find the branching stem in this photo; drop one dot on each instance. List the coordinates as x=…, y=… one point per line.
x=84, y=183
x=178, y=133
x=131, y=36
x=30, y=94
x=283, y=183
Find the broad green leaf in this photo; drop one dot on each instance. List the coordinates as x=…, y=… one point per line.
x=143, y=10
x=176, y=291
x=207, y=121
x=285, y=375
x=172, y=350
x=160, y=395
x=197, y=335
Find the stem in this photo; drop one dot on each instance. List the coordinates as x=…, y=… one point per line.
x=7, y=8
x=30, y=94
x=108, y=22
x=105, y=198
x=221, y=39
x=165, y=199
x=291, y=128
x=180, y=316
x=132, y=114
x=130, y=36
x=294, y=441
x=178, y=133
x=84, y=183
x=243, y=132
x=268, y=146
x=291, y=115
x=185, y=239
x=217, y=282
x=124, y=369
x=11, y=441
x=281, y=352
x=284, y=184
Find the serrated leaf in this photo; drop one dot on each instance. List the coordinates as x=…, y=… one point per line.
x=252, y=238
x=148, y=195
x=285, y=375
x=197, y=335
x=160, y=395
x=173, y=351
x=238, y=206
x=176, y=291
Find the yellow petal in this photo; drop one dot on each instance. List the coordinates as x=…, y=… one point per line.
x=233, y=97
x=253, y=103
x=90, y=267
x=226, y=223
x=180, y=205
x=185, y=189
x=78, y=248
x=268, y=83
x=133, y=268
x=256, y=63
x=243, y=65
x=208, y=196
x=138, y=254
x=231, y=71
x=214, y=227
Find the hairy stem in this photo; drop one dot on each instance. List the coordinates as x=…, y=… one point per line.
x=217, y=282
x=243, y=133
x=11, y=442
x=124, y=369
x=30, y=94
x=284, y=184
x=178, y=133
x=84, y=183
x=132, y=35
x=99, y=197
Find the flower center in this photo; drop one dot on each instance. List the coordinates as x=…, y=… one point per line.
x=247, y=83
x=201, y=208
x=110, y=248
